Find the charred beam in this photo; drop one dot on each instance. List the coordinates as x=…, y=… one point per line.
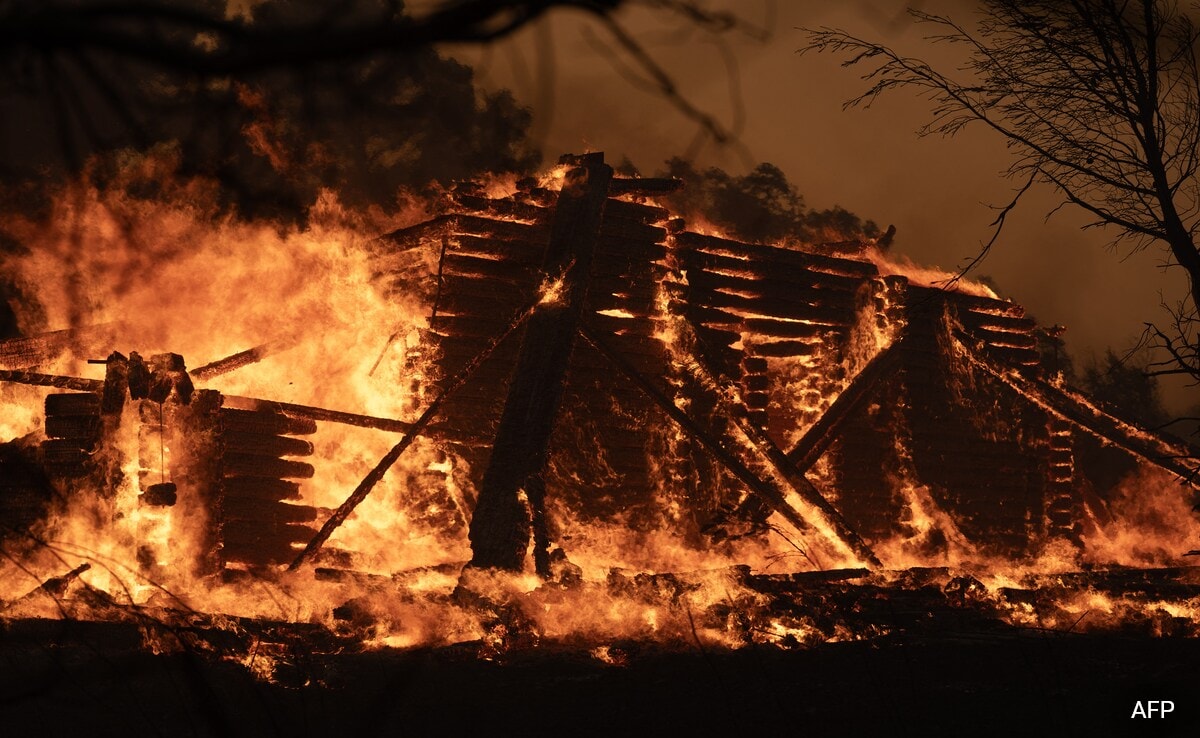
x=767, y=254
x=1066, y=404
x=783, y=466
x=307, y=412
x=822, y=433
x=56, y=587
x=30, y=351
x=77, y=384
x=500, y=527
x=417, y=428
x=644, y=185
x=241, y=359
x=768, y=491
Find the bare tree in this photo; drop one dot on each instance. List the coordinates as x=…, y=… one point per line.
x=1098, y=98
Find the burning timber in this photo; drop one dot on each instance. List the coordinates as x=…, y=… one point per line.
x=589, y=369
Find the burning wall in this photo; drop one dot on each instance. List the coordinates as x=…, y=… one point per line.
x=725, y=392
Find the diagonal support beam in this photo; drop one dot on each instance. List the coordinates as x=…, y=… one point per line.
x=414, y=431
x=769, y=490
x=1076, y=409
x=822, y=433
x=766, y=448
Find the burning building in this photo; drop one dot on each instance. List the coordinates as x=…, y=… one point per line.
x=596, y=412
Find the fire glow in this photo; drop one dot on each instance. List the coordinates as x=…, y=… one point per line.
x=743, y=516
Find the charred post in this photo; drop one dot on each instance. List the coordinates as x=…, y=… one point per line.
x=501, y=525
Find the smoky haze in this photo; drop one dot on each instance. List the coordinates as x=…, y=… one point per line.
x=787, y=109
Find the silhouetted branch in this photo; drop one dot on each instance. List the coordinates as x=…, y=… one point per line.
x=1099, y=99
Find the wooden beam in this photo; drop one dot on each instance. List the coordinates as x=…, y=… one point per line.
x=417, y=428
x=762, y=445
x=241, y=359
x=1078, y=410
x=501, y=524
x=764, y=488
x=30, y=351
x=644, y=185
x=822, y=433
x=319, y=414
x=78, y=384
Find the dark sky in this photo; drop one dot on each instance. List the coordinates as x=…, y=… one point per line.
x=936, y=191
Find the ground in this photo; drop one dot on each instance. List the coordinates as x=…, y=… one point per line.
x=77, y=678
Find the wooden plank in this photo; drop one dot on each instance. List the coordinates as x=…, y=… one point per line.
x=1002, y=339
x=772, y=254
x=717, y=337
x=265, y=445
x=614, y=229
x=973, y=320
x=632, y=288
x=73, y=426
x=932, y=297
x=66, y=450
x=639, y=306
x=411, y=236
x=701, y=314
x=74, y=403
x=635, y=252
x=638, y=348
x=241, y=359
x=635, y=211
x=502, y=208
x=270, y=423
x=267, y=511
x=1014, y=356
x=774, y=306
x=629, y=268
x=766, y=328
x=256, y=533
x=643, y=185
x=633, y=326
x=800, y=276
x=499, y=303
x=504, y=270
x=259, y=488
x=257, y=553
x=515, y=251
x=31, y=351
x=780, y=289
x=784, y=349
x=501, y=230
x=241, y=464
x=306, y=414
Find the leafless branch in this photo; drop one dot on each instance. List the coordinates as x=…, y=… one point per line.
x=1098, y=98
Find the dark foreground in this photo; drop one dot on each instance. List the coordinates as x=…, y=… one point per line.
x=85, y=679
